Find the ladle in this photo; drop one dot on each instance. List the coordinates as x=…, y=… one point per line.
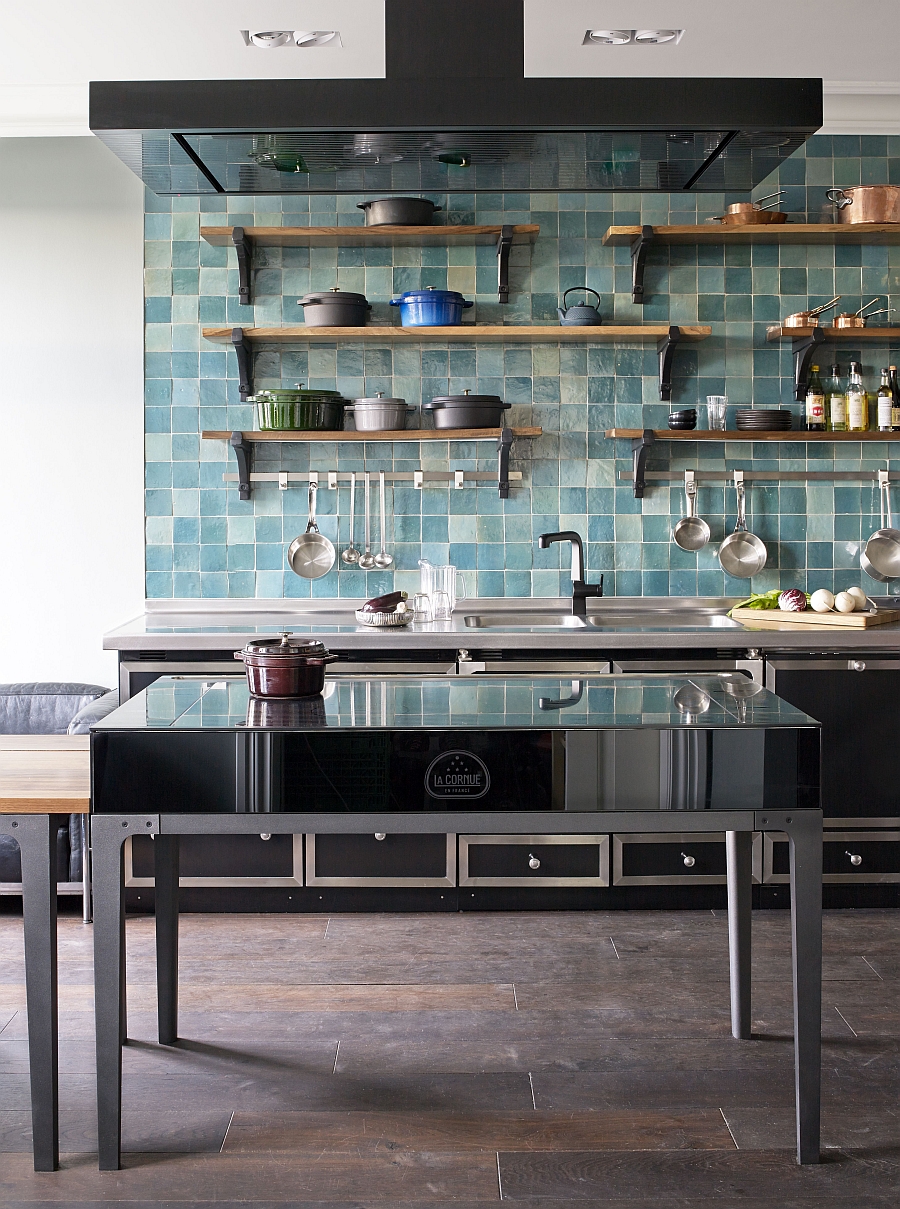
x=383, y=560
x=350, y=556
x=366, y=561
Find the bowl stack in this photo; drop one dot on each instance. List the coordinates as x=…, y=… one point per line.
x=683, y=421
x=764, y=419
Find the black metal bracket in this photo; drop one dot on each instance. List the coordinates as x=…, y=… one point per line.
x=665, y=347
x=639, y=249
x=244, y=354
x=243, y=452
x=504, y=445
x=803, y=348
x=504, y=243
x=640, y=447
x=244, y=251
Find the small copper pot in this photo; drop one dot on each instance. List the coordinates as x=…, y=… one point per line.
x=281, y=668
x=866, y=203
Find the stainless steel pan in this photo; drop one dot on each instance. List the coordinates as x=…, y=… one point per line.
x=742, y=554
x=692, y=532
x=881, y=557
x=311, y=555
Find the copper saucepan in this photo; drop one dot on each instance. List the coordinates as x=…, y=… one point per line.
x=748, y=214
x=858, y=319
x=866, y=203
x=809, y=318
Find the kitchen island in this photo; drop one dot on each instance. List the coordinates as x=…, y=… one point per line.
x=491, y=758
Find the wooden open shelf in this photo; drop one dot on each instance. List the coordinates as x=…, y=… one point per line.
x=849, y=334
x=698, y=434
x=373, y=237
x=412, y=434
x=464, y=333
x=792, y=233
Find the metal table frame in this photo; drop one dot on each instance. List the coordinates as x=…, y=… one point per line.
x=803, y=828
x=36, y=837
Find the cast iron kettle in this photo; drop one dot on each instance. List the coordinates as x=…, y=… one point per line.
x=579, y=316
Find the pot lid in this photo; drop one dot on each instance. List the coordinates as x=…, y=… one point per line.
x=296, y=395
x=430, y=294
x=379, y=400
x=375, y=200
x=465, y=400
x=335, y=294
x=284, y=646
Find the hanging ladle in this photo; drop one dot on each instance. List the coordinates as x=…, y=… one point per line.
x=383, y=560
x=692, y=532
x=350, y=556
x=366, y=561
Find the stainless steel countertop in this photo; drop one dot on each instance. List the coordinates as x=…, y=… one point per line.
x=613, y=624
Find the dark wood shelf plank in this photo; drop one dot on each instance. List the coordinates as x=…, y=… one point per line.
x=413, y=434
x=703, y=434
x=790, y=233
x=375, y=237
x=866, y=334
x=469, y=333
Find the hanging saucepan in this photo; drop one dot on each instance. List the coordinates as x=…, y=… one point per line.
x=692, y=532
x=582, y=315
x=742, y=554
x=881, y=557
x=809, y=318
x=399, y=212
x=866, y=203
x=311, y=555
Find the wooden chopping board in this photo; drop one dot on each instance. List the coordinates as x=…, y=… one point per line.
x=773, y=618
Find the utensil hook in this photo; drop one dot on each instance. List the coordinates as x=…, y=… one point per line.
x=741, y=522
x=690, y=491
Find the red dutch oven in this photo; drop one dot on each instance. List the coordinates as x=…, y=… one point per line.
x=281, y=668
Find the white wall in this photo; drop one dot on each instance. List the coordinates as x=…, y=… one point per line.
x=71, y=407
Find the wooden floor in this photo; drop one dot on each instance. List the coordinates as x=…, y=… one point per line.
x=428, y=1060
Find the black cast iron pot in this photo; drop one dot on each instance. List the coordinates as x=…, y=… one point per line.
x=335, y=308
x=399, y=211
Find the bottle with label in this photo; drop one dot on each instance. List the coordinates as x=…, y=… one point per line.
x=885, y=404
x=895, y=392
x=857, y=401
x=837, y=402
x=815, y=402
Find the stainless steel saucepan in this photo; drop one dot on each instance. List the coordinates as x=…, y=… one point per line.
x=311, y=555
x=742, y=554
x=881, y=557
x=692, y=532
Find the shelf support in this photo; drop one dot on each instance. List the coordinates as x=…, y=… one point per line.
x=665, y=347
x=640, y=447
x=639, y=249
x=803, y=348
x=243, y=452
x=244, y=355
x=244, y=251
x=504, y=445
x=504, y=243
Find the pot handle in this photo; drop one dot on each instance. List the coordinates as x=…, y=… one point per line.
x=580, y=289
x=395, y=302
x=363, y=205
x=239, y=654
x=467, y=304
x=838, y=198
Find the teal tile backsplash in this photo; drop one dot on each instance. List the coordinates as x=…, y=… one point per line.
x=202, y=541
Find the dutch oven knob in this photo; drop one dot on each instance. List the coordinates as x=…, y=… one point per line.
x=533, y=862
x=689, y=861
x=285, y=636
x=380, y=835
x=334, y=289
x=265, y=835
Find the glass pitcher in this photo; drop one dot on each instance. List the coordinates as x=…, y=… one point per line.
x=446, y=578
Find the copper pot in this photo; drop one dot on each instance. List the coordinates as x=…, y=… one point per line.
x=857, y=318
x=751, y=214
x=866, y=203
x=281, y=668
x=808, y=318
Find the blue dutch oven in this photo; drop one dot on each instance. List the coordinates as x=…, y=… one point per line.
x=431, y=307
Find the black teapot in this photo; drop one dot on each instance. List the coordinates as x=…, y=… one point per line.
x=579, y=316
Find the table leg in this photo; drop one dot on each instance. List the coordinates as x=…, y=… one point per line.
x=166, y=863
x=805, y=836
x=37, y=845
x=109, y=983
x=739, y=864
x=86, y=911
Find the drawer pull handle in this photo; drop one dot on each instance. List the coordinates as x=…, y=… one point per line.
x=533, y=862
x=380, y=835
x=857, y=665
x=690, y=861
x=855, y=858
x=265, y=835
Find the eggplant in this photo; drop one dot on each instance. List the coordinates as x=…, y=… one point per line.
x=384, y=604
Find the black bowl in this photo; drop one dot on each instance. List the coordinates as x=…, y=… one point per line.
x=683, y=425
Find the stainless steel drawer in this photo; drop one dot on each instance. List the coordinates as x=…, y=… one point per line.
x=381, y=859
x=674, y=859
x=534, y=860
x=877, y=853
x=210, y=861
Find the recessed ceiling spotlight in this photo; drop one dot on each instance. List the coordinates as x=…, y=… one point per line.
x=608, y=37
x=268, y=39
x=650, y=36
x=317, y=37
x=271, y=39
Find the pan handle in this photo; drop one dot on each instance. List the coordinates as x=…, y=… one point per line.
x=884, y=487
x=690, y=491
x=311, y=526
x=740, y=525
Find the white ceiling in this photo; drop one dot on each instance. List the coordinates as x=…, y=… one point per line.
x=48, y=54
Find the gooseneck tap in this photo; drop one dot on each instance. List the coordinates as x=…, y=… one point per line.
x=580, y=590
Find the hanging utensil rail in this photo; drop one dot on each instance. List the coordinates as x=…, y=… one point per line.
x=767, y=476
x=330, y=479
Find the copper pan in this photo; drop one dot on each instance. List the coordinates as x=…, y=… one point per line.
x=753, y=213
x=858, y=319
x=808, y=318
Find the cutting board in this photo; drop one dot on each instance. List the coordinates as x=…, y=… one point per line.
x=850, y=621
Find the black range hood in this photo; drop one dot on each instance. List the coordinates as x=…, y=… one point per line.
x=455, y=114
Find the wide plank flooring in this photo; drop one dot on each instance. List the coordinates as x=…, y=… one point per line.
x=416, y=1061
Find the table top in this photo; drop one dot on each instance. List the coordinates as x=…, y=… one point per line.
x=724, y=701
x=45, y=774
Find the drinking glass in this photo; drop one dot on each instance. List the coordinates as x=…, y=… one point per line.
x=441, y=606
x=715, y=412
x=422, y=607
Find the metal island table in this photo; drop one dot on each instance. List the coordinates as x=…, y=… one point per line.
x=498, y=757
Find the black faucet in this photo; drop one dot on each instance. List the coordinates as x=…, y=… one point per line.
x=580, y=590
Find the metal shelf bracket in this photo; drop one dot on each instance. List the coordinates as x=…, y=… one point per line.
x=244, y=354
x=244, y=251
x=504, y=243
x=639, y=249
x=803, y=348
x=639, y=450
x=243, y=452
x=665, y=347
x=504, y=445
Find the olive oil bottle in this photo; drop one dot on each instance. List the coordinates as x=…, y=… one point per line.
x=857, y=401
x=885, y=404
x=837, y=402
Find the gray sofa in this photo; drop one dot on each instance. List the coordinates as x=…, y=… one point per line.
x=51, y=708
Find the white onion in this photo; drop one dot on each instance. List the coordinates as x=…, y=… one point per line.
x=844, y=602
x=821, y=601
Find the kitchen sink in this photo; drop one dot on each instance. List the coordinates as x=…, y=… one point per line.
x=503, y=620
x=664, y=616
